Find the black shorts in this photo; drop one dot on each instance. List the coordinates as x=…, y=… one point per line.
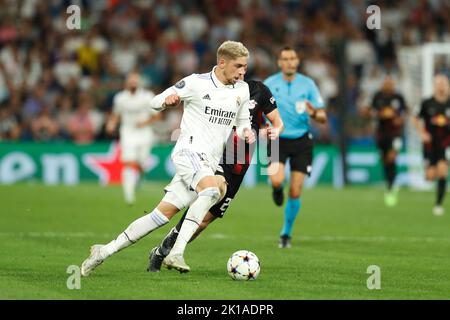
x=234, y=182
x=432, y=154
x=388, y=143
x=299, y=151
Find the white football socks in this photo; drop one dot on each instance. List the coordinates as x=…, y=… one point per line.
x=130, y=178
x=198, y=210
x=135, y=231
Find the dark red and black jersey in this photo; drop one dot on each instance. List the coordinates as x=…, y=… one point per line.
x=237, y=152
x=436, y=116
x=261, y=102
x=388, y=107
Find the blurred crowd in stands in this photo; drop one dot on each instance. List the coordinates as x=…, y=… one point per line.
x=58, y=84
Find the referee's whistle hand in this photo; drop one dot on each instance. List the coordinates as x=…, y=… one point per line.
x=309, y=107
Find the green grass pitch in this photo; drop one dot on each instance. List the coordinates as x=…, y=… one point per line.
x=337, y=236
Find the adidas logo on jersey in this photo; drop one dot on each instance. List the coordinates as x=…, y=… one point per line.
x=206, y=97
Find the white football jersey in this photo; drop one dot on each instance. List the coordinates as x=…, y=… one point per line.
x=210, y=111
x=134, y=108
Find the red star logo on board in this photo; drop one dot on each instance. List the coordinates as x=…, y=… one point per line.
x=107, y=166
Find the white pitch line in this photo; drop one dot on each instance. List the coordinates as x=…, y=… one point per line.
x=53, y=234
x=341, y=238
x=221, y=236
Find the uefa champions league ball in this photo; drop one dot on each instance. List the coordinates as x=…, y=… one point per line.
x=243, y=265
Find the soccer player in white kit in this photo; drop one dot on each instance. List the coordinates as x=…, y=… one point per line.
x=132, y=108
x=213, y=103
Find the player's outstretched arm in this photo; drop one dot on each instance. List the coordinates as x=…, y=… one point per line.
x=248, y=135
x=112, y=123
x=171, y=97
x=419, y=124
x=401, y=118
x=168, y=98
x=243, y=125
x=424, y=134
x=277, y=127
x=150, y=120
x=114, y=117
x=366, y=112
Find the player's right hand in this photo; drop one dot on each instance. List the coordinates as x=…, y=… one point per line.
x=249, y=136
x=172, y=101
x=110, y=129
x=273, y=133
x=270, y=132
x=426, y=137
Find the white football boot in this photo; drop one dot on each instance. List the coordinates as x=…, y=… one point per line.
x=438, y=210
x=176, y=261
x=93, y=261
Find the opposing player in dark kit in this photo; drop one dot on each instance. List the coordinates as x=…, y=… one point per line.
x=435, y=135
x=388, y=108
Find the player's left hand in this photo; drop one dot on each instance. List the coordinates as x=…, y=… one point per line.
x=249, y=136
x=172, y=100
x=110, y=129
x=273, y=133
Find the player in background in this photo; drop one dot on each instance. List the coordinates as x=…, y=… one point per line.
x=299, y=101
x=212, y=102
x=433, y=125
x=131, y=109
x=389, y=109
x=233, y=166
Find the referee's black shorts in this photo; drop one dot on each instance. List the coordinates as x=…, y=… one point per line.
x=299, y=152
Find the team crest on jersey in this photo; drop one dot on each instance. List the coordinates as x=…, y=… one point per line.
x=180, y=84
x=238, y=101
x=252, y=104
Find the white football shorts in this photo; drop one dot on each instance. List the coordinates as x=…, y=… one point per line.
x=190, y=168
